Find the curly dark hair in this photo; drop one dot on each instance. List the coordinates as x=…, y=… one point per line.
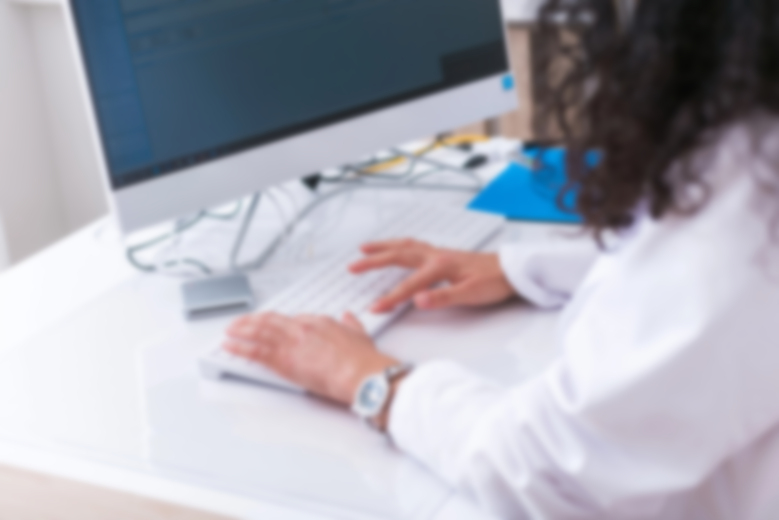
x=648, y=91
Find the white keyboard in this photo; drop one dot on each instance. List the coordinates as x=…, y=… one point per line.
x=332, y=290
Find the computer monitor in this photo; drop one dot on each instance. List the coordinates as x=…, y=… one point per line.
x=198, y=102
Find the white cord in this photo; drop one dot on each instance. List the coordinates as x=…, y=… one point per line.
x=343, y=184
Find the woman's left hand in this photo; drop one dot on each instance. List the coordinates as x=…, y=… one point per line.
x=327, y=357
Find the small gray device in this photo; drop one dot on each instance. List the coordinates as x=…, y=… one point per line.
x=217, y=297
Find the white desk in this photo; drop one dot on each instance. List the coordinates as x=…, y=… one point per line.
x=98, y=384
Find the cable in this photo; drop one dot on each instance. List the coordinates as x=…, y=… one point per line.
x=447, y=167
x=204, y=269
x=226, y=216
x=413, y=159
x=271, y=193
x=439, y=142
x=281, y=236
x=343, y=184
x=345, y=187
x=181, y=227
x=245, y=225
x=396, y=186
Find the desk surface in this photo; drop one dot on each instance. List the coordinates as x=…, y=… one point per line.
x=98, y=384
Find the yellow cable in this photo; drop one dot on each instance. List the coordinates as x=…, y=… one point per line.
x=454, y=140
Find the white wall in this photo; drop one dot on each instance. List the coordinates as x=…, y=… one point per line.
x=29, y=191
x=5, y=260
x=49, y=180
x=75, y=161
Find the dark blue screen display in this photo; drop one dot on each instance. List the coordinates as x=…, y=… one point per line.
x=180, y=82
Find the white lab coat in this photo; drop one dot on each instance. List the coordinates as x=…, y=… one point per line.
x=664, y=403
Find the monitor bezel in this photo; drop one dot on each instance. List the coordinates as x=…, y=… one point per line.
x=227, y=178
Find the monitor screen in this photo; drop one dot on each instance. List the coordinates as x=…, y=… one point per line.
x=179, y=82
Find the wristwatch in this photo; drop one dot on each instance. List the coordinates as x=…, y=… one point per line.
x=374, y=392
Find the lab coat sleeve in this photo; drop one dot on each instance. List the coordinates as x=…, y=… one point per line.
x=669, y=369
x=547, y=274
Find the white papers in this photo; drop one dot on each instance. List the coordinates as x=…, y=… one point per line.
x=521, y=10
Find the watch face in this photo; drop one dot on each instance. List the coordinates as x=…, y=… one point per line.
x=371, y=397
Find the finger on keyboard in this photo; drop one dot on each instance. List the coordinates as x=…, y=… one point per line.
x=392, y=257
x=415, y=283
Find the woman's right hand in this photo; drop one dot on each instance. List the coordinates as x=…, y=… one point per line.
x=441, y=278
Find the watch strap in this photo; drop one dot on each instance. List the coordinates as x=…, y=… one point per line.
x=391, y=374
x=396, y=371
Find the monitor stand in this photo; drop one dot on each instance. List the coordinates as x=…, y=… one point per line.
x=232, y=294
x=223, y=295
x=219, y=296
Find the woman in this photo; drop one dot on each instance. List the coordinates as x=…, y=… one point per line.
x=665, y=402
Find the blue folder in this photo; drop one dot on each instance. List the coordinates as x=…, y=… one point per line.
x=522, y=193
